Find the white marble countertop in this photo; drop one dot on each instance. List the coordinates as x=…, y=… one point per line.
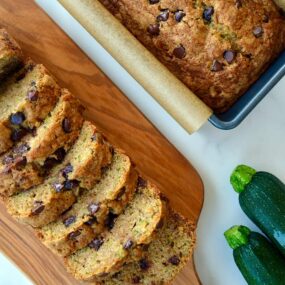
x=258, y=141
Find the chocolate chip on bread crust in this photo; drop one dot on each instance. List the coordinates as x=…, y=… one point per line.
x=192, y=39
x=59, y=191
x=25, y=103
x=49, y=139
x=91, y=209
x=137, y=223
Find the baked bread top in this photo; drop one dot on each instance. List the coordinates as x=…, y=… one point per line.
x=218, y=48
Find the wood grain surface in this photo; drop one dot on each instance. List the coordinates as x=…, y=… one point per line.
x=122, y=123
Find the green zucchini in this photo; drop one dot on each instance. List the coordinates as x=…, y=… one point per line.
x=257, y=259
x=262, y=198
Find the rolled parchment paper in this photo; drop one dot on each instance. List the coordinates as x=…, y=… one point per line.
x=280, y=3
x=188, y=110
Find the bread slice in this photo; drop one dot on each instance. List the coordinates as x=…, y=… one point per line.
x=165, y=257
x=59, y=192
x=27, y=163
x=11, y=56
x=85, y=160
x=133, y=228
x=90, y=212
x=26, y=99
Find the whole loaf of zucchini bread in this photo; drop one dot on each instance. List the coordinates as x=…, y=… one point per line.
x=218, y=48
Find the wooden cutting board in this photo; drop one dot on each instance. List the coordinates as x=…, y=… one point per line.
x=115, y=115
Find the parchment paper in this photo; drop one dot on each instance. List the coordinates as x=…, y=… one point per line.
x=190, y=112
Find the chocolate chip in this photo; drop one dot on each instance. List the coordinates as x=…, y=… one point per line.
x=144, y=264
x=136, y=280
x=258, y=32
x=141, y=183
x=179, y=52
x=179, y=15
x=208, y=13
x=20, y=162
x=17, y=118
x=121, y=193
x=153, y=29
x=38, y=207
x=7, y=159
x=110, y=220
x=174, y=260
x=66, y=125
x=153, y=2
x=68, y=221
x=91, y=221
x=217, y=66
x=163, y=16
x=33, y=95
x=229, y=56
x=96, y=243
x=129, y=243
x=74, y=235
x=60, y=154
x=18, y=134
x=66, y=170
x=70, y=184
x=49, y=163
x=238, y=3
x=58, y=187
x=93, y=208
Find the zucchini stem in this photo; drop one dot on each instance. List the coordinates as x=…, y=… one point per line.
x=241, y=176
x=237, y=236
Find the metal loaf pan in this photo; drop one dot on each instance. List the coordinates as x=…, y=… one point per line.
x=238, y=112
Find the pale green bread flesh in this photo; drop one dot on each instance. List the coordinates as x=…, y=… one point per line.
x=166, y=255
x=137, y=224
x=21, y=206
x=49, y=138
x=107, y=193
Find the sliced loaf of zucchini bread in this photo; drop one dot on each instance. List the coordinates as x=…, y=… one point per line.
x=11, y=56
x=89, y=215
x=135, y=227
x=44, y=203
x=165, y=257
x=26, y=99
x=27, y=163
x=83, y=196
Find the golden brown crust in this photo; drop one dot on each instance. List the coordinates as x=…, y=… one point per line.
x=11, y=56
x=37, y=93
x=137, y=223
x=166, y=255
x=193, y=48
x=56, y=135
x=63, y=245
x=26, y=168
x=40, y=205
